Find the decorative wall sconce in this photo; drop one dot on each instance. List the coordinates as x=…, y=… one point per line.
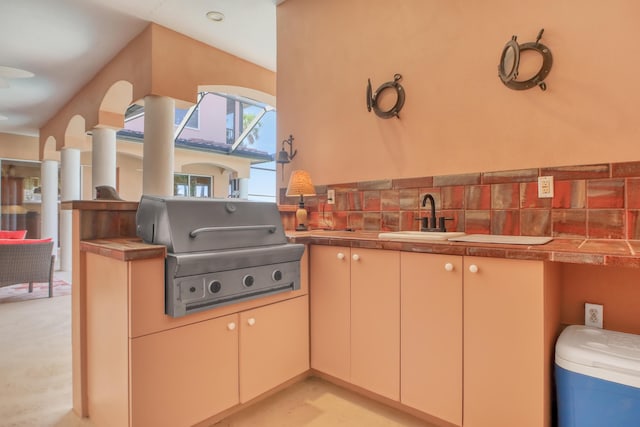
x=284, y=157
x=372, y=99
x=510, y=60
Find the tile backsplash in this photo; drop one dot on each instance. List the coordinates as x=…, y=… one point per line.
x=597, y=201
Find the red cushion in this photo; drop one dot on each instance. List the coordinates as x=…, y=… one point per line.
x=11, y=234
x=23, y=241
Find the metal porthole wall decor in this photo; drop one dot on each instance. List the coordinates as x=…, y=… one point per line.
x=510, y=60
x=372, y=99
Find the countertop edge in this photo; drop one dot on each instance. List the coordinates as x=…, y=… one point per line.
x=604, y=252
x=618, y=253
x=123, y=249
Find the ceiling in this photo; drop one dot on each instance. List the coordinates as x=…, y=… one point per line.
x=64, y=43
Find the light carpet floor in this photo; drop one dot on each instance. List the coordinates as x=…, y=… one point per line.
x=35, y=381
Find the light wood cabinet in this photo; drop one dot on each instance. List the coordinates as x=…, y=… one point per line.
x=274, y=345
x=330, y=310
x=147, y=369
x=355, y=316
x=510, y=326
x=185, y=375
x=408, y=325
x=375, y=321
x=431, y=325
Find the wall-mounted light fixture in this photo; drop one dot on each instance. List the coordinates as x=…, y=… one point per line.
x=284, y=157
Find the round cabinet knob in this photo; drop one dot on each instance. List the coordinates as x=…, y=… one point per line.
x=473, y=268
x=231, y=326
x=215, y=286
x=340, y=255
x=448, y=266
x=356, y=257
x=276, y=275
x=247, y=280
x=251, y=321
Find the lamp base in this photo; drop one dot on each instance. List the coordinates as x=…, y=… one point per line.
x=301, y=217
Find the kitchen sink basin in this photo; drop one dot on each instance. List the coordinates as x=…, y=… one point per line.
x=419, y=236
x=500, y=239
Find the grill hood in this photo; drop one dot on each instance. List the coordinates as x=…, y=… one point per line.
x=186, y=224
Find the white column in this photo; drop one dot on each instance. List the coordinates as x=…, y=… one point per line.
x=103, y=158
x=158, y=148
x=70, y=190
x=49, y=206
x=244, y=188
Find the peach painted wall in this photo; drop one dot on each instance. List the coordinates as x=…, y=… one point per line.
x=458, y=116
x=18, y=147
x=160, y=62
x=181, y=64
x=616, y=288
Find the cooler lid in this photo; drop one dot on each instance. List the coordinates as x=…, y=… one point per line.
x=609, y=355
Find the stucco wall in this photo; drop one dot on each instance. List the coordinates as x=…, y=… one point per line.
x=458, y=116
x=18, y=147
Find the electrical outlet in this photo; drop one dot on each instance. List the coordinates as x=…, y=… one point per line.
x=331, y=197
x=593, y=315
x=545, y=187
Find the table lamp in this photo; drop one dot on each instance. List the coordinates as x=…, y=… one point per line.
x=300, y=185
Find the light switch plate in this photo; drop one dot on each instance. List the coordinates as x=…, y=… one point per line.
x=545, y=187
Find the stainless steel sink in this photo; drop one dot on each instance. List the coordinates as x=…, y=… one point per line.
x=419, y=236
x=501, y=239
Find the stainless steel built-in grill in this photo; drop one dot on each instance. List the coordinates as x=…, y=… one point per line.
x=219, y=251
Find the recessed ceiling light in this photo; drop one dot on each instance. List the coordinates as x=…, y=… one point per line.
x=14, y=73
x=215, y=16
x=7, y=73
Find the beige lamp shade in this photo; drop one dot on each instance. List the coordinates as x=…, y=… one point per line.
x=300, y=184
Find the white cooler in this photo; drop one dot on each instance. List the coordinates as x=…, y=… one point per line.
x=597, y=378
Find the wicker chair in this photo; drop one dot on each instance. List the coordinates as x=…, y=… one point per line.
x=27, y=262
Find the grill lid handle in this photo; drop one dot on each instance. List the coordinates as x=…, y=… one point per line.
x=270, y=228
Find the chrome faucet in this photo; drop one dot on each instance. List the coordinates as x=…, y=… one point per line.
x=429, y=223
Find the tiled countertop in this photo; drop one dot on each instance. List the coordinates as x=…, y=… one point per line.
x=577, y=251
x=123, y=249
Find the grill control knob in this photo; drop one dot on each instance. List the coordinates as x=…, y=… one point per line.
x=276, y=275
x=247, y=280
x=215, y=286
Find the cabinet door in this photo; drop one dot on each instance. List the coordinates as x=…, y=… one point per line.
x=504, y=372
x=375, y=321
x=330, y=310
x=431, y=340
x=274, y=345
x=184, y=375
